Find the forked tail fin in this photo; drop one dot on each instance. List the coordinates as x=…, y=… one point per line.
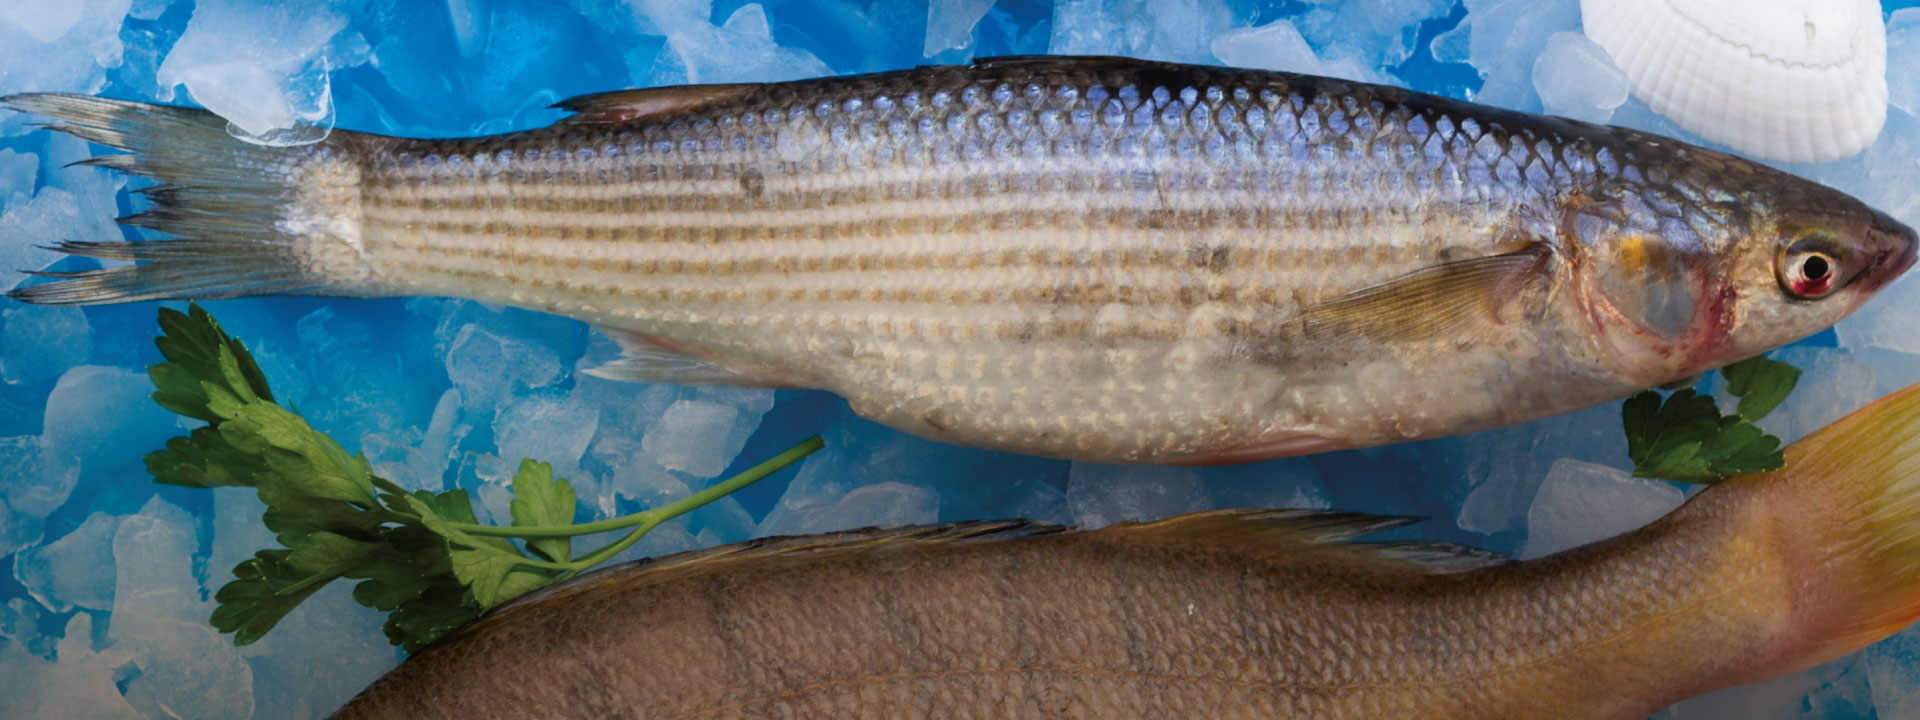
x=248, y=219
x=1849, y=512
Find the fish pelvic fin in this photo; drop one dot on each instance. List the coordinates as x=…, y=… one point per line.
x=1451, y=299
x=249, y=219
x=1846, y=510
x=648, y=358
x=649, y=103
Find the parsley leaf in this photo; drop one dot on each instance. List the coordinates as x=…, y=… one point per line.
x=540, y=499
x=1761, y=384
x=1685, y=437
x=422, y=557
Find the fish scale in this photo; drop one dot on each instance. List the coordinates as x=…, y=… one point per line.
x=1092, y=258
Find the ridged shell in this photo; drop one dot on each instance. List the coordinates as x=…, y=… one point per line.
x=1787, y=80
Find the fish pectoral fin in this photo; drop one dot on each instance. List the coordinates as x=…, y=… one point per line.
x=1296, y=534
x=1451, y=298
x=646, y=358
x=1682, y=383
x=624, y=105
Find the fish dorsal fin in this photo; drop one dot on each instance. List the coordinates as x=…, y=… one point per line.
x=851, y=541
x=1292, y=534
x=624, y=105
x=1453, y=298
x=1061, y=62
x=647, y=358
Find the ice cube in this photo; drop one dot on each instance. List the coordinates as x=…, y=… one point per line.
x=1170, y=30
x=59, y=45
x=102, y=416
x=186, y=669
x=237, y=532
x=1371, y=34
x=43, y=220
x=742, y=49
x=950, y=23
x=1833, y=384
x=1893, y=673
x=1277, y=45
x=684, y=438
x=1887, y=321
x=1290, y=483
x=1503, y=468
x=41, y=477
x=43, y=20
x=318, y=656
x=153, y=568
x=78, y=684
x=38, y=344
x=487, y=368
x=1576, y=78
x=18, y=174
x=263, y=67
x=77, y=569
x=880, y=504
x=553, y=430
x=1101, y=495
x=1503, y=38
x=1581, y=502
x=148, y=9
x=1903, y=52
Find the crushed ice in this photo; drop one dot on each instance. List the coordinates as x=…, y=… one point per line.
x=109, y=580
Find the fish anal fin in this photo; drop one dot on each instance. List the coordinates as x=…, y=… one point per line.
x=1452, y=298
x=650, y=358
x=1285, y=446
x=625, y=105
x=1296, y=536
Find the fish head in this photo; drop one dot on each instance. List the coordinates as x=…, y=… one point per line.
x=1674, y=288
x=1811, y=260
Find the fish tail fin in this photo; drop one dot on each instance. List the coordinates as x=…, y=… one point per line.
x=247, y=219
x=1849, y=515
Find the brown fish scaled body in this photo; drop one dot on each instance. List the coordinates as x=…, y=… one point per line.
x=1092, y=258
x=1223, y=614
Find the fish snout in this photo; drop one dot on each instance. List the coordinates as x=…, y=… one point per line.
x=1896, y=246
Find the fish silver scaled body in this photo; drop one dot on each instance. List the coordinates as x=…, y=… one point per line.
x=1091, y=258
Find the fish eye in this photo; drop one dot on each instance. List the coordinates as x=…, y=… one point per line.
x=1811, y=267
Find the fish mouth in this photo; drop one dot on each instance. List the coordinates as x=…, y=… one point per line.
x=1899, y=248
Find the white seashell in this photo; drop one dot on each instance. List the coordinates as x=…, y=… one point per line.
x=1787, y=80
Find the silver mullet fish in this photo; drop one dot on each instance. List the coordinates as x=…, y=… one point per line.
x=1091, y=258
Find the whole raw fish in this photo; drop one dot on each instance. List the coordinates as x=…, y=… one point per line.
x=1224, y=614
x=1092, y=258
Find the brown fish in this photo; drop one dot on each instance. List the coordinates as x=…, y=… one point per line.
x=1091, y=258
x=1223, y=614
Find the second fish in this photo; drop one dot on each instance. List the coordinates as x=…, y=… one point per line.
x=1091, y=258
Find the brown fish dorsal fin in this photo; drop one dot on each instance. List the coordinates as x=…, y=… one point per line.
x=647, y=358
x=1038, y=63
x=624, y=105
x=1451, y=298
x=1287, y=534
x=669, y=567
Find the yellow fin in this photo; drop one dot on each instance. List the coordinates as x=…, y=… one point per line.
x=1450, y=298
x=626, y=105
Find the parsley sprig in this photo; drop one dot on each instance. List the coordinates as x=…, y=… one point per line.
x=1685, y=437
x=420, y=556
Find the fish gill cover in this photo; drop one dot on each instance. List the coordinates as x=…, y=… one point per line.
x=107, y=579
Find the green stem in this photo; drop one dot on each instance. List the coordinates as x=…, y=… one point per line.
x=649, y=518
